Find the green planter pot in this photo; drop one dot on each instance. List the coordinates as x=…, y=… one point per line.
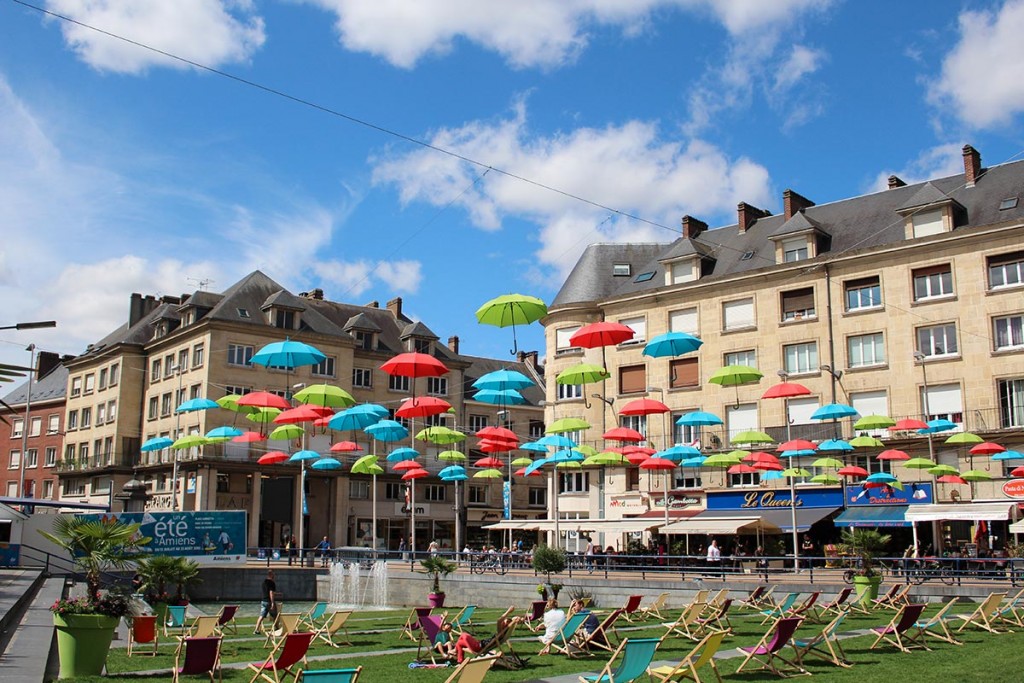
x=867, y=587
x=82, y=642
x=160, y=610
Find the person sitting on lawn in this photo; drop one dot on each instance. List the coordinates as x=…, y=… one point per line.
x=554, y=619
x=444, y=643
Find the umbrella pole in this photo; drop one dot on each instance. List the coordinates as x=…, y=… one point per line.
x=792, y=495
x=412, y=510
x=374, y=537
x=554, y=501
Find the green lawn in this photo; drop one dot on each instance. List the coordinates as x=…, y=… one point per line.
x=984, y=657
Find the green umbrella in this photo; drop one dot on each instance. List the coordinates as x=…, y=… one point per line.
x=833, y=479
x=190, y=441
x=511, y=309
x=441, y=435
x=919, y=464
x=230, y=402
x=451, y=456
x=586, y=450
x=326, y=395
x=874, y=422
x=866, y=442
x=286, y=432
x=734, y=375
x=567, y=424
x=367, y=465
x=723, y=460
x=263, y=415
x=569, y=465
x=607, y=459
x=582, y=373
x=964, y=438
x=975, y=475
x=522, y=462
x=751, y=436
x=795, y=472
x=940, y=470
x=489, y=474
x=827, y=462
x=738, y=453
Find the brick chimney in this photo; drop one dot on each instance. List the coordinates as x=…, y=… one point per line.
x=747, y=214
x=693, y=227
x=395, y=306
x=529, y=357
x=373, y=304
x=972, y=165
x=794, y=202
x=453, y=344
x=46, y=361
x=895, y=181
x=140, y=307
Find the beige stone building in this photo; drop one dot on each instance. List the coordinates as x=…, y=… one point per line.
x=908, y=303
x=125, y=389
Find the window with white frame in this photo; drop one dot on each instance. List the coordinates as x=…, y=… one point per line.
x=437, y=386
x=435, y=493
x=477, y=495
x=798, y=304
x=927, y=223
x=14, y=462
x=32, y=457
x=240, y=354
x=682, y=271
x=115, y=374
x=1009, y=332
x=86, y=418
x=90, y=383
x=398, y=383
x=746, y=357
x=937, y=341
x=687, y=478
x=537, y=497
x=152, y=413
x=18, y=428
x=53, y=424
x=324, y=368
x=48, y=489
x=535, y=429
x=358, y=489
x=72, y=420
x=865, y=350
x=863, y=293
x=872, y=464
x=639, y=326
x=236, y=391
x=35, y=426
x=362, y=378
x=634, y=422
x=420, y=345
x=76, y=386
x=169, y=367
x=933, y=282
x=183, y=359
x=568, y=391
x=684, y=320
x=573, y=482
x=83, y=453
x=870, y=403
x=685, y=434
x=477, y=422
x=394, y=490
x=165, y=405
x=800, y=358
x=738, y=315
x=101, y=413
x=198, y=355
x=943, y=402
x=1006, y=270
x=740, y=418
x=562, y=337
x=103, y=378
x=794, y=249
x=50, y=456
x=744, y=479
x=801, y=408
x=1011, y=403
x=364, y=340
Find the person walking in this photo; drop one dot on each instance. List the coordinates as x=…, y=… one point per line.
x=268, y=599
x=324, y=548
x=714, y=558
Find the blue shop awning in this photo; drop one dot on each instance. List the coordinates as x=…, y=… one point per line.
x=874, y=515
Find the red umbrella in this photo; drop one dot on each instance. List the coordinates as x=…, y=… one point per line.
x=622, y=434
x=786, y=390
x=767, y=466
x=423, y=406
x=264, y=399
x=304, y=413
x=852, y=471
x=657, y=464
x=797, y=445
x=601, y=334
x=644, y=406
x=742, y=469
x=1017, y=471
x=273, y=458
x=986, y=448
x=642, y=450
x=404, y=465
x=636, y=458
x=414, y=364
x=761, y=456
x=249, y=437
x=499, y=441
x=521, y=472
x=495, y=432
x=893, y=454
x=415, y=474
x=908, y=424
x=323, y=422
x=488, y=462
x=951, y=479
x=346, y=447
x=488, y=446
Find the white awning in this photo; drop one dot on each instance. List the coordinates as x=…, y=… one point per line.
x=964, y=512
x=718, y=525
x=1017, y=527
x=607, y=526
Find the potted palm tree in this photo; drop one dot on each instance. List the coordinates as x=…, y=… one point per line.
x=437, y=566
x=866, y=544
x=85, y=625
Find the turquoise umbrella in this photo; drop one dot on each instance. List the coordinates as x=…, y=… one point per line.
x=503, y=380
x=502, y=397
x=387, y=430
x=833, y=411
x=326, y=463
x=672, y=344
x=304, y=456
x=194, y=404
x=157, y=443
x=288, y=354
x=699, y=418
x=400, y=454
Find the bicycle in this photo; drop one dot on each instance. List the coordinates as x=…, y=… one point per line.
x=485, y=564
x=920, y=574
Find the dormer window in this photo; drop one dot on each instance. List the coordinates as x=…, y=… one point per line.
x=160, y=329
x=421, y=345
x=931, y=212
x=795, y=249
x=682, y=271
x=364, y=340
x=284, y=319
x=622, y=270
x=927, y=223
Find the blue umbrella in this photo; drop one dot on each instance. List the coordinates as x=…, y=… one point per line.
x=882, y=477
x=835, y=445
x=194, y=404
x=1008, y=455
x=672, y=344
x=834, y=411
x=534, y=446
x=387, y=430
x=537, y=464
x=455, y=477
x=452, y=470
x=400, y=454
x=224, y=433
x=567, y=455
x=357, y=417
x=556, y=441
x=288, y=354
x=940, y=425
x=696, y=461
x=772, y=474
x=677, y=453
x=797, y=453
x=502, y=380
x=326, y=463
x=302, y=456
x=157, y=443
x=699, y=418
x=508, y=397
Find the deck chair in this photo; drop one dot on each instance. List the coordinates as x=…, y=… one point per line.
x=701, y=596
x=982, y=617
x=226, y=618
x=768, y=649
x=463, y=618
x=896, y=631
x=654, y=609
x=412, y=623
x=717, y=620
x=472, y=670
x=687, y=668
x=1011, y=610
x=824, y=645
x=805, y=607
x=285, y=656
x=686, y=624
x=142, y=630
x=835, y=606
x=534, y=617
x=335, y=625
x=501, y=644
x=781, y=609
x=601, y=637
x=430, y=626
x=567, y=635
x=759, y=598
x=203, y=627
x=284, y=624
x=315, y=613
x=895, y=599
x=715, y=601
x=175, y=620
x=631, y=606
x=935, y=627
x=196, y=656
x=635, y=656
x=330, y=675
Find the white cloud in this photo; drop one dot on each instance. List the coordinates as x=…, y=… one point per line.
x=629, y=168
x=937, y=162
x=801, y=62
x=353, y=278
x=210, y=32
x=402, y=276
x=980, y=82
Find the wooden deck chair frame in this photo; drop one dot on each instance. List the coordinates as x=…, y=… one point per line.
x=654, y=609
x=604, y=636
x=717, y=620
x=464, y=618
x=836, y=606
x=533, y=618
x=172, y=622
x=780, y=609
x=313, y=615
x=895, y=599
x=622, y=654
x=1010, y=606
x=935, y=626
x=330, y=675
x=146, y=618
x=897, y=631
x=824, y=645
x=284, y=624
x=183, y=645
x=805, y=607
x=269, y=668
x=412, y=623
x=203, y=627
x=701, y=596
x=472, y=670
x=632, y=607
x=689, y=666
x=759, y=598
x=717, y=599
x=501, y=643
x=687, y=618
x=226, y=619
x=568, y=634
x=333, y=626
x=425, y=639
x=982, y=617
x=770, y=656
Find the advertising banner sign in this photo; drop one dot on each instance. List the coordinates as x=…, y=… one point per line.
x=207, y=537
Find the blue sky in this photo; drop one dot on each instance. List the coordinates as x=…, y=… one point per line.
x=122, y=170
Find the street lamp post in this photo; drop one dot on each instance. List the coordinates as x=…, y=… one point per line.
x=610, y=403
x=177, y=435
x=920, y=358
x=30, y=326
x=31, y=348
x=783, y=375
